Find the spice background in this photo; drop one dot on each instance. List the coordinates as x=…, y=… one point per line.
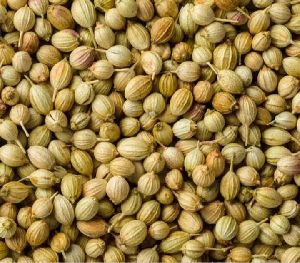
x=149, y=131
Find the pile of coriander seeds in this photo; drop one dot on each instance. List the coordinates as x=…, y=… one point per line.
x=149, y=131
